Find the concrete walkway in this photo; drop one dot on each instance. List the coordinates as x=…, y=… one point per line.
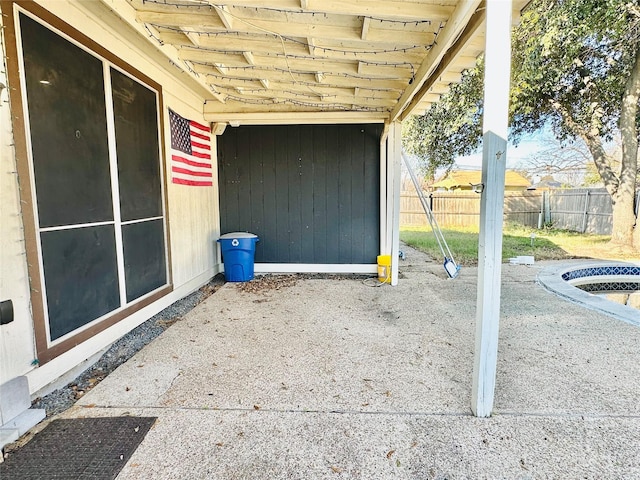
x=337, y=379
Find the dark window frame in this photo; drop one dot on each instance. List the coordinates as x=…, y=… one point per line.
x=45, y=349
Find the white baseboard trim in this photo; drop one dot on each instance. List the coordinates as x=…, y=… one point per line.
x=315, y=268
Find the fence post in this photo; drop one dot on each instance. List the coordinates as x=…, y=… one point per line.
x=586, y=211
x=541, y=213
x=546, y=204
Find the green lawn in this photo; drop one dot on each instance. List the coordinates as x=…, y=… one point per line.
x=547, y=244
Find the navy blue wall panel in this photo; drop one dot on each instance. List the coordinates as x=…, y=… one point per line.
x=310, y=192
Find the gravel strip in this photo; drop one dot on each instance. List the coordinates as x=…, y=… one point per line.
x=123, y=349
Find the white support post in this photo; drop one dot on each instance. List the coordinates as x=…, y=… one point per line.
x=394, y=169
x=495, y=122
x=385, y=244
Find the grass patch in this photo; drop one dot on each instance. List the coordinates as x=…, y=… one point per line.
x=547, y=244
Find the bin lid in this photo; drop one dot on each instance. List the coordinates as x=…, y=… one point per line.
x=238, y=235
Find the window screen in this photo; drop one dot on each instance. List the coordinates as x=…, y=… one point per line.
x=102, y=244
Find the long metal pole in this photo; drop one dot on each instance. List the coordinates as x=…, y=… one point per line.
x=433, y=223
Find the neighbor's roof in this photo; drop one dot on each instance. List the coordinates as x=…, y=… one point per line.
x=460, y=178
x=547, y=182
x=373, y=58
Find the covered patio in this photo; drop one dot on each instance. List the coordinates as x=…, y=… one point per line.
x=111, y=220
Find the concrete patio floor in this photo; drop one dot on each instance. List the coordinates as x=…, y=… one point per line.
x=332, y=378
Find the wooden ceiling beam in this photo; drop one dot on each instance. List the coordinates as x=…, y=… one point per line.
x=366, y=24
x=318, y=89
x=311, y=45
x=184, y=19
x=372, y=50
x=392, y=9
x=307, y=64
x=400, y=70
x=321, y=91
x=212, y=114
x=395, y=10
x=230, y=59
x=344, y=90
x=235, y=44
x=249, y=58
x=218, y=66
x=241, y=74
x=312, y=97
x=264, y=47
x=286, y=77
x=236, y=83
x=194, y=38
x=302, y=65
x=452, y=56
x=290, y=106
x=282, y=4
x=218, y=23
x=225, y=16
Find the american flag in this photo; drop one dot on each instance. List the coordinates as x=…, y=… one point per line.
x=190, y=152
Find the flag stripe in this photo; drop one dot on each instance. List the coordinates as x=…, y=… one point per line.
x=200, y=126
x=193, y=183
x=201, y=155
x=177, y=158
x=195, y=173
x=199, y=145
x=200, y=135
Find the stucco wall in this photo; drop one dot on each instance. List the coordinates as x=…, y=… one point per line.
x=192, y=211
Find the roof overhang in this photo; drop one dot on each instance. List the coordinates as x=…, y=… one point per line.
x=323, y=60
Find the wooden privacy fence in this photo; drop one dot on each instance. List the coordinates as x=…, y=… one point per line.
x=462, y=209
x=586, y=210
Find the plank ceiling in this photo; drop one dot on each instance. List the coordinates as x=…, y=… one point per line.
x=378, y=58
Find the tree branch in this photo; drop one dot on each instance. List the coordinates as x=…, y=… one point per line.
x=592, y=139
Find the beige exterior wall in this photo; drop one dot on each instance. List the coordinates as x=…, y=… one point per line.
x=17, y=346
x=192, y=211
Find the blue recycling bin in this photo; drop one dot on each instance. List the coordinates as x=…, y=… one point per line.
x=238, y=252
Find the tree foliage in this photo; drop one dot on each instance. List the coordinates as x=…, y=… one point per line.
x=571, y=61
x=451, y=127
x=575, y=67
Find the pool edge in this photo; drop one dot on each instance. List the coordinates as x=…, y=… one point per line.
x=550, y=278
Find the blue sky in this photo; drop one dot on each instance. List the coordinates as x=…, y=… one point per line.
x=515, y=155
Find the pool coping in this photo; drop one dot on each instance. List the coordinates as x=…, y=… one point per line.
x=550, y=278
